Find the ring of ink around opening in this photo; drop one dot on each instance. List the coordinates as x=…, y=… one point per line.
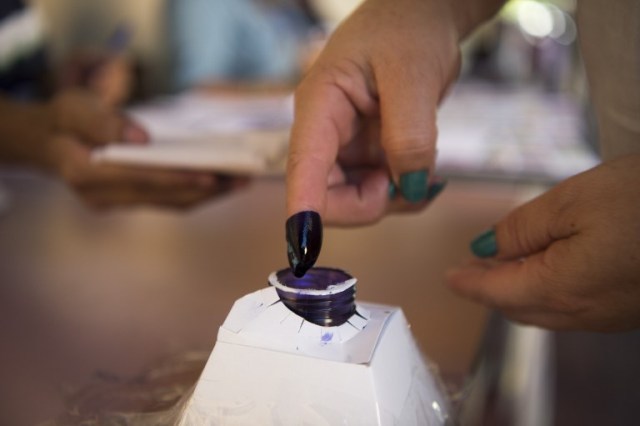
x=323, y=296
x=321, y=281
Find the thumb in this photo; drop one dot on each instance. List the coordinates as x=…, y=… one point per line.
x=529, y=229
x=408, y=115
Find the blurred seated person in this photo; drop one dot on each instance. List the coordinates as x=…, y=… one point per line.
x=106, y=71
x=240, y=42
x=55, y=134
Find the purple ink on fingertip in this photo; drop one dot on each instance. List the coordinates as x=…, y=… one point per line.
x=304, y=241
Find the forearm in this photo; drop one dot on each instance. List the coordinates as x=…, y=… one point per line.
x=467, y=15
x=24, y=131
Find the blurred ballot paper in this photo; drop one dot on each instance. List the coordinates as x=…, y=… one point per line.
x=234, y=134
x=485, y=132
x=513, y=134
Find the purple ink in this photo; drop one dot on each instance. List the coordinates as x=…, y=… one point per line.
x=304, y=240
x=323, y=296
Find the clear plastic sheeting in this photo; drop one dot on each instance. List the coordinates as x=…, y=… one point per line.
x=271, y=367
x=263, y=371
x=156, y=397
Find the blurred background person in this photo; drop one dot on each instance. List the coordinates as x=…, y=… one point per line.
x=22, y=53
x=240, y=41
x=106, y=70
x=53, y=129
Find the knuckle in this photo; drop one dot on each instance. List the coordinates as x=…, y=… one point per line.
x=409, y=142
x=336, y=71
x=302, y=159
x=344, y=74
x=347, y=76
x=511, y=233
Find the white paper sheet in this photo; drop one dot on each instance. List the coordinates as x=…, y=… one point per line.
x=228, y=134
x=484, y=132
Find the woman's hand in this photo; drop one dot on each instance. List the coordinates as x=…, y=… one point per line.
x=365, y=113
x=58, y=138
x=569, y=259
x=110, y=76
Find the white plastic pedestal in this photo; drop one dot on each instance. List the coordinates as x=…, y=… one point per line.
x=271, y=367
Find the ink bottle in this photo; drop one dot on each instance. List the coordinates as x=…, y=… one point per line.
x=323, y=296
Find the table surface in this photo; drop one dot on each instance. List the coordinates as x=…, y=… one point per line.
x=83, y=292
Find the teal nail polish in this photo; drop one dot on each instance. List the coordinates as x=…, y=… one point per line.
x=413, y=185
x=392, y=190
x=434, y=189
x=485, y=244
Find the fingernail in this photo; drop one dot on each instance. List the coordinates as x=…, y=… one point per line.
x=393, y=190
x=413, y=185
x=485, y=244
x=435, y=189
x=304, y=240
